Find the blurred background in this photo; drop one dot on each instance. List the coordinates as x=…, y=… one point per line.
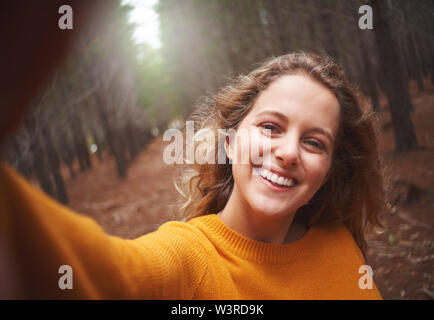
x=93, y=136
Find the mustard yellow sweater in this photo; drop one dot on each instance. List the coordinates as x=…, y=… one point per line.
x=199, y=259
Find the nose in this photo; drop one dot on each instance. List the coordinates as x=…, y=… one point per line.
x=287, y=152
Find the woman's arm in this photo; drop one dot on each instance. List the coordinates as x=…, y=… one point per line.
x=41, y=236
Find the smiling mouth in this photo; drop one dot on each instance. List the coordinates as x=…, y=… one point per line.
x=275, y=180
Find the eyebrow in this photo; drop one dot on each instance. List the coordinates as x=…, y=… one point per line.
x=285, y=119
x=323, y=132
x=277, y=114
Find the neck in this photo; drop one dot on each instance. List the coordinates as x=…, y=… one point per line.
x=257, y=226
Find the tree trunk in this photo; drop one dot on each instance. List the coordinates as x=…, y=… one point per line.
x=367, y=71
x=115, y=145
x=415, y=56
x=393, y=80
x=54, y=166
x=326, y=23
x=40, y=167
x=276, y=10
x=81, y=149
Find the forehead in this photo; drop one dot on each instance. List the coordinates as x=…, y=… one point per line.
x=299, y=98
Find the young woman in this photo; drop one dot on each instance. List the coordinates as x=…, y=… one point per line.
x=290, y=227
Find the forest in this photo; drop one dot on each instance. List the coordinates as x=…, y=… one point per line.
x=112, y=95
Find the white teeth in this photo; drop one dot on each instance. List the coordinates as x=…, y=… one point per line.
x=275, y=178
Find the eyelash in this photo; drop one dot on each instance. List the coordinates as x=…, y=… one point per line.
x=313, y=143
x=264, y=125
x=316, y=144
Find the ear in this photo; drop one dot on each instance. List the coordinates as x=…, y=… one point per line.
x=228, y=149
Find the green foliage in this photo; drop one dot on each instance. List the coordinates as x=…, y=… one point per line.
x=156, y=94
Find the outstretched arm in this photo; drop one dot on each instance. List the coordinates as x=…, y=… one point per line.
x=41, y=236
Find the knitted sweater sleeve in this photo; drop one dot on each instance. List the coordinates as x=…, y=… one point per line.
x=39, y=236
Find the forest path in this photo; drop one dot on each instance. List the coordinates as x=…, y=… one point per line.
x=127, y=207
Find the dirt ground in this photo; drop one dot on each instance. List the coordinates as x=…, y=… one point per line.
x=401, y=255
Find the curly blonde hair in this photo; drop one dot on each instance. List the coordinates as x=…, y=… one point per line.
x=353, y=194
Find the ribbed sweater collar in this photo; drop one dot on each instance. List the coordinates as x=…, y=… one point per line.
x=229, y=240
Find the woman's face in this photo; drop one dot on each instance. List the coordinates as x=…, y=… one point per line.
x=300, y=117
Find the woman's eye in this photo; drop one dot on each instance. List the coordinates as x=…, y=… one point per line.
x=271, y=127
x=315, y=144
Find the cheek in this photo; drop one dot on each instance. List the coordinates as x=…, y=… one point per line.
x=250, y=146
x=316, y=170
x=259, y=148
x=242, y=175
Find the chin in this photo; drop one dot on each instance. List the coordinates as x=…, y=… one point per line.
x=268, y=209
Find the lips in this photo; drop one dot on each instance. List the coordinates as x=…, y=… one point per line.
x=275, y=180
